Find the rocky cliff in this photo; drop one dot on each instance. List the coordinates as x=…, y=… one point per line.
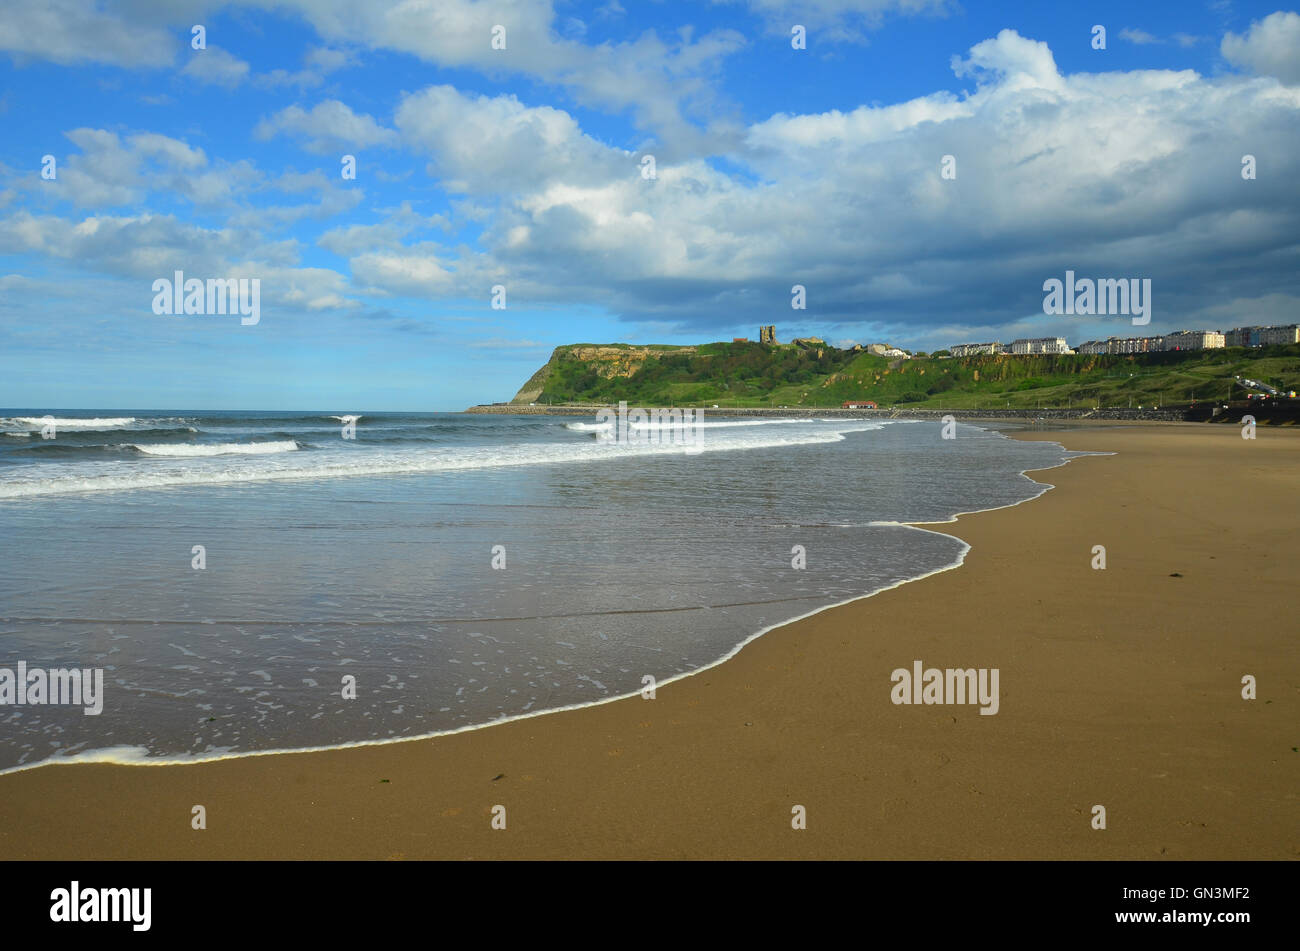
x=608, y=361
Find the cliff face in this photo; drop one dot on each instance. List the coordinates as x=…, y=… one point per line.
x=607, y=361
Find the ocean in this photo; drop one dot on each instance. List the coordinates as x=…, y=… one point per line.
x=255, y=581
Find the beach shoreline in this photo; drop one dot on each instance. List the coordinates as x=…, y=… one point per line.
x=801, y=716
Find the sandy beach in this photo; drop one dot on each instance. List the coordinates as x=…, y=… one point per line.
x=1119, y=687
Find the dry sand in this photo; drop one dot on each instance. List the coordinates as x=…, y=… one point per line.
x=1119, y=687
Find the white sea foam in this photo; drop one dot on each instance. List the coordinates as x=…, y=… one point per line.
x=216, y=449
x=273, y=466
x=105, y=422
x=678, y=424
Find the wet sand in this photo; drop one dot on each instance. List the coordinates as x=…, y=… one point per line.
x=1118, y=687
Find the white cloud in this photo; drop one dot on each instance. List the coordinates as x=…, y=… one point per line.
x=110, y=170
x=328, y=126
x=498, y=145
x=319, y=62
x=82, y=31
x=1117, y=174
x=214, y=66
x=414, y=271
x=838, y=20
x=351, y=240
x=1012, y=61
x=1271, y=47
x=661, y=81
x=146, y=247
x=1140, y=37
x=1121, y=173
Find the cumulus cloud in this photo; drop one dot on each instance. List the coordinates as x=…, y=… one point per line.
x=1271, y=47
x=1010, y=60
x=146, y=247
x=662, y=82
x=110, y=170
x=1140, y=37
x=349, y=240
x=413, y=271
x=326, y=127
x=1115, y=174
x=837, y=20
x=214, y=66
x=83, y=31
x=497, y=145
x=318, y=63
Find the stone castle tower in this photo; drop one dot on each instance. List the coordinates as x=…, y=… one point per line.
x=767, y=334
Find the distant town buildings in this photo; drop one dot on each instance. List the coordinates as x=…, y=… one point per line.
x=1262, y=336
x=1178, y=340
x=1027, y=345
x=1193, y=340
x=1134, y=344
x=1279, y=335
x=1243, y=337
x=974, y=349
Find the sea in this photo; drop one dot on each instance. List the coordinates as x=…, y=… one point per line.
x=251, y=582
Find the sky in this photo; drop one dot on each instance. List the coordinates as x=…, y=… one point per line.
x=615, y=171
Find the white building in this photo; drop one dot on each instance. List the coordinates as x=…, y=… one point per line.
x=1193, y=340
x=1272, y=335
x=1136, y=344
x=1026, y=345
x=973, y=349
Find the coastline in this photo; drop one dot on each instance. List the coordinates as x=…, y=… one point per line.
x=801, y=715
x=1039, y=416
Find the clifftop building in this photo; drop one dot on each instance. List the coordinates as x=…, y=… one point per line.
x=1040, y=345
x=1177, y=340
x=1243, y=336
x=1193, y=340
x=1274, y=335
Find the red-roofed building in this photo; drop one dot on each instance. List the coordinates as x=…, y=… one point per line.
x=859, y=404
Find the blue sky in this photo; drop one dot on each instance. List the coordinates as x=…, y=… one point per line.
x=521, y=167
